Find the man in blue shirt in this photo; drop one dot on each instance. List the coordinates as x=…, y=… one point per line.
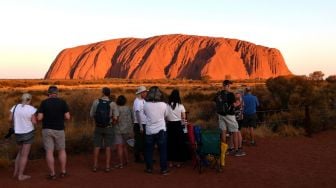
x=250, y=114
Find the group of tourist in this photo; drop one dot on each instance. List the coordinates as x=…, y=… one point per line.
x=152, y=121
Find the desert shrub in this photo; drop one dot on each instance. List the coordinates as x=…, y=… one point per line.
x=264, y=131
x=290, y=131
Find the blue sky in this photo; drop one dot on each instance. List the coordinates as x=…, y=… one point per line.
x=33, y=32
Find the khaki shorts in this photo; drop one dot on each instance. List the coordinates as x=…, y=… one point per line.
x=228, y=122
x=53, y=139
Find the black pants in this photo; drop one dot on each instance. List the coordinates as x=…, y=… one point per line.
x=139, y=141
x=177, y=148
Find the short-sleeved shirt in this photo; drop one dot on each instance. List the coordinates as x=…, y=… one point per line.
x=138, y=106
x=22, y=118
x=176, y=114
x=230, y=100
x=53, y=110
x=250, y=104
x=113, y=107
x=125, y=120
x=155, y=113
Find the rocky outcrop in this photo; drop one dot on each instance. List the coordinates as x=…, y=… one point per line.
x=168, y=56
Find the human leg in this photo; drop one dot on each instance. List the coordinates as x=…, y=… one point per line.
x=62, y=157
x=120, y=152
x=17, y=161
x=162, y=142
x=95, y=158
x=108, y=158
x=60, y=147
x=23, y=161
x=49, y=145
x=50, y=161
x=138, y=142
x=149, y=147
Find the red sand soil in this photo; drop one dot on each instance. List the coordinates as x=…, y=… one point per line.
x=274, y=162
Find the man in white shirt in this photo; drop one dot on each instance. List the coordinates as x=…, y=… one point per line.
x=139, y=122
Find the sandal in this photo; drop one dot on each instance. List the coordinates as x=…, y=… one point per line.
x=51, y=177
x=118, y=166
x=63, y=174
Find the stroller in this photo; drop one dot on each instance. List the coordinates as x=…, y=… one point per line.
x=205, y=146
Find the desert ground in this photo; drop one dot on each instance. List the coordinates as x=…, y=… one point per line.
x=275, y=162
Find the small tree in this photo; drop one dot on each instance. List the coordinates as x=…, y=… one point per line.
x=316, y=76
x=331, y=79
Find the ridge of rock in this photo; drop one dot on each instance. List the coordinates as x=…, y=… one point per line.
x=173, y=56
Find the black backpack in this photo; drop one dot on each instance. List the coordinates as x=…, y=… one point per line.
x=102, y=115
x=222, y=104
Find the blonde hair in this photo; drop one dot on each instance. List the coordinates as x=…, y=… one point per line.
x=26, y=97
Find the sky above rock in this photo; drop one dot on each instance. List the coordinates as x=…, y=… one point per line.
x=33, y=32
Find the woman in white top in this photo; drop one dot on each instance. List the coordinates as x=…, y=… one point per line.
x=155, y=110
x=176, y=118
x=23, y=117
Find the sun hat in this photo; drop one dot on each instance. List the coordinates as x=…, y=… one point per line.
x=141, y=89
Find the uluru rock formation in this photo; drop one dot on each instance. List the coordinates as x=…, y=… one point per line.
x=168, y=56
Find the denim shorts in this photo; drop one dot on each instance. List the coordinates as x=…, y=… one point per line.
x=25, y=138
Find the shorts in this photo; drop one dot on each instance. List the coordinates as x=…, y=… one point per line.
x=250, y=121
x=121, y=138
x=25, y=138
x=228, y=122
x=103, y=137
x=53, y=139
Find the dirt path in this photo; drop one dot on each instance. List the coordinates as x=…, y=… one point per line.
x=275, y=162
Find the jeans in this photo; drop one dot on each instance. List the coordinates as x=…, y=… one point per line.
x=161, y=140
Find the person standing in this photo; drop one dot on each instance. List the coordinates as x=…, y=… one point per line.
x=239, y=108
x=105, y=114
x=139, y=127
x=123, y=130
x=156, y=111
x=251, y=103
x=53, y=111
x=23, y=117
x=176, y=119
x=226, y=115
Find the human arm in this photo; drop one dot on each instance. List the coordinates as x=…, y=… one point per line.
x=67, y=116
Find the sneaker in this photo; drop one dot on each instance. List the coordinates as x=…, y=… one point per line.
x=239, y=153
x=149, y=171
x=229, y=151
x=165, y=172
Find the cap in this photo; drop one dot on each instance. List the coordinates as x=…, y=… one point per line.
x=52, y=90
x=141, y=89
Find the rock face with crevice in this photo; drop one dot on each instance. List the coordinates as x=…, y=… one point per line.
x=168, y=57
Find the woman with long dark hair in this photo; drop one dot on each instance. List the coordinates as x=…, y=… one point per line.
x=176, y=119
